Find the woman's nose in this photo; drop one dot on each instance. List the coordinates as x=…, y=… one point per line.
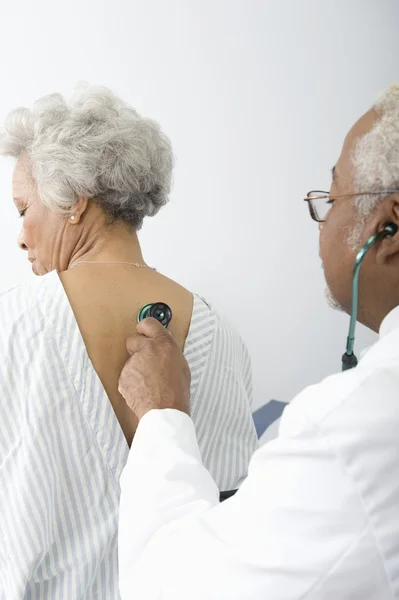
x=20, y=241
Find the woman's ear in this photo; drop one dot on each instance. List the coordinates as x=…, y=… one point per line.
x=79, y=209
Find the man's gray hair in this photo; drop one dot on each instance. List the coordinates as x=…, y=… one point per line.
x=94, y=146
x=376, y=157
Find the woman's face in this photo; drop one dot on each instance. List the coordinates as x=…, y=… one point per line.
x=43, y=232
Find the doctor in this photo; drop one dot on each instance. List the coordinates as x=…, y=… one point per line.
x=318, y=515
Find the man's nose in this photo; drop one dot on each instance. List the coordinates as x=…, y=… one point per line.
x=20, y=241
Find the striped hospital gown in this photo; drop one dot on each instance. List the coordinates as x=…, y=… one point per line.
x=62, y=449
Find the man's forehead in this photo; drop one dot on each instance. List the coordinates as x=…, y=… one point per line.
x=361, y=127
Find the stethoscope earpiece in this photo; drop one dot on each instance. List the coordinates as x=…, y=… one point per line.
x=390, y=229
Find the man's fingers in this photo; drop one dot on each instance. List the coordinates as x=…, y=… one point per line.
x=147, y=329
x=134, y=343
x=123, y=377
x=152, y=328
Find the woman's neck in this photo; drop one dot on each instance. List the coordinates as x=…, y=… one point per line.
x=116, y=244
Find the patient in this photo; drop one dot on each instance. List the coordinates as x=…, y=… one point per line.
x=87, y=173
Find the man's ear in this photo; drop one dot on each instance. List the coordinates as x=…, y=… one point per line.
x=387, y=212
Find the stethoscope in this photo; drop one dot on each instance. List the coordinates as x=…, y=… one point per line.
x=349, y=359
x=163, y=313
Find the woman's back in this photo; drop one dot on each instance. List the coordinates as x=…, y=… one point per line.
x=106, y=299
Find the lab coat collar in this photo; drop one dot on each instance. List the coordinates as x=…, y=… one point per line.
x=390, y=322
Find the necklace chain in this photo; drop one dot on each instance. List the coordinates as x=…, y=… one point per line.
x=111, y=262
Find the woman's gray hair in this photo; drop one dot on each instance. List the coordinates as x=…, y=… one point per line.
x=94, y=146
x=376, y=158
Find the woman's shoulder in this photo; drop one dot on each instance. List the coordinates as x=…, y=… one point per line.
x=26, y=298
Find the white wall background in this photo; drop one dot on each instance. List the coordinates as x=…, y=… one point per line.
x=256, y=96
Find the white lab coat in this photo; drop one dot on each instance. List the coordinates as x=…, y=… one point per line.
x=316, y=519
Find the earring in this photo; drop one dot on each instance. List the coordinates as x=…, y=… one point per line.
x=73, y=218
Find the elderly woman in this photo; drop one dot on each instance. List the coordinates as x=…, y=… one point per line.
x=87, y=173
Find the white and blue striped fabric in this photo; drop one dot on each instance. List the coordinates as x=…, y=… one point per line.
x=62, y=449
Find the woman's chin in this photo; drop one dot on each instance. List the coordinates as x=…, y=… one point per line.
x=39, y=270
x=36, y=270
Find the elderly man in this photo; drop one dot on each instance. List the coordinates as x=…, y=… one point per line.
x=318, y=515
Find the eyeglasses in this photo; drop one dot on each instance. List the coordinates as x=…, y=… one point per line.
x=320, y=203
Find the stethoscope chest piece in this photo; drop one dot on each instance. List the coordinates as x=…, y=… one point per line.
x=158, y=310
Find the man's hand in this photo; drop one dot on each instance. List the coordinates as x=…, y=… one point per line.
x=157, y=374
